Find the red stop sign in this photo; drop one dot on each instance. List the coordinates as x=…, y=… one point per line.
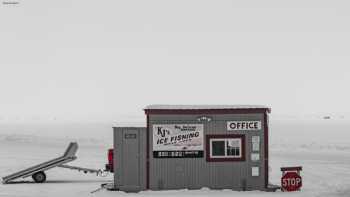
x=291, y=181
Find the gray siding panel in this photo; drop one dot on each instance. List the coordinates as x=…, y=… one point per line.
x=193, y=173
x=129, y=164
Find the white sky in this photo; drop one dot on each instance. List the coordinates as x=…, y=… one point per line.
x=101, y=60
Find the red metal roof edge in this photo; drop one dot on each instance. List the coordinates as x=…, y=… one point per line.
x=206, y=111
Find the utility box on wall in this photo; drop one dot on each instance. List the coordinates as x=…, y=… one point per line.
x=194, y=146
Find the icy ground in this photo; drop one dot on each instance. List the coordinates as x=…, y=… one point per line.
x=322, y=147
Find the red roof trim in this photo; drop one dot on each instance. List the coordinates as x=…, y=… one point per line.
x=147, y=154
x=207, y=111
x=266, y=149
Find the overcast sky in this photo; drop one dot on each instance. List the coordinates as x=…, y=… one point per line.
x=102, y=60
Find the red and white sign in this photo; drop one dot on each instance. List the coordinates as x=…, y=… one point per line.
x=291, y=181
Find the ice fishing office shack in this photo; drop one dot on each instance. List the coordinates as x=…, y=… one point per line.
x=194, y=146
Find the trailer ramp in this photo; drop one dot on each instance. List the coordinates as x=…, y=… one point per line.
x=68, y=156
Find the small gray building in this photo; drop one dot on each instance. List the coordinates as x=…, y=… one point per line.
x=194, y=146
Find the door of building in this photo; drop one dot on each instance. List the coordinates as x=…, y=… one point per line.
x=131, y=159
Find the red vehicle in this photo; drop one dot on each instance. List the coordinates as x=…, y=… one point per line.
x=109, y=165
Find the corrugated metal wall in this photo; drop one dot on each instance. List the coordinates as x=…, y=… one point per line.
x=193, y=173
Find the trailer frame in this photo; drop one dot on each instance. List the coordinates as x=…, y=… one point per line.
x=68, y=156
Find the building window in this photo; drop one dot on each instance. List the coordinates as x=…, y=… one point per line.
x=225, y=147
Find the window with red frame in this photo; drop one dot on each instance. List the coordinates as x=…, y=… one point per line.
x=225, y=147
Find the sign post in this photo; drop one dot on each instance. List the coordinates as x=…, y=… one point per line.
x=291, y=179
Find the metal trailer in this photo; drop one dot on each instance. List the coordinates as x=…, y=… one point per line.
x=38, y=171
x=219, y=147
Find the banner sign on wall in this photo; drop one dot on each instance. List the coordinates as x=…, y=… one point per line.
x=177, y=140
x=243, y=125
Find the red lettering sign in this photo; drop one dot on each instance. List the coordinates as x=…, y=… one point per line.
x=291, y=181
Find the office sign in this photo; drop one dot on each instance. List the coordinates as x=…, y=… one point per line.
x=243, y=125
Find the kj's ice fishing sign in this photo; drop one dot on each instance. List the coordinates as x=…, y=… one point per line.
x=243, y=125
x=177, y=140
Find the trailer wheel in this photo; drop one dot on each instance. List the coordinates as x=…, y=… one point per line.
x=39, y=177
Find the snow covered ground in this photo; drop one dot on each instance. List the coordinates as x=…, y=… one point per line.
x=322, y=147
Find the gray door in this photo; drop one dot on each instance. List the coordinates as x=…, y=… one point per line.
x=131, y=164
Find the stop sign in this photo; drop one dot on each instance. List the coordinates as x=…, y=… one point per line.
x=291, y=181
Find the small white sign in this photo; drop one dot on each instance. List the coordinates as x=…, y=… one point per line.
x=255, y=138
x=256, y=143
x=255, y=156
x=255, y=171
x=243, y=125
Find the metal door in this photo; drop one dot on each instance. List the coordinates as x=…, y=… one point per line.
x=131, y=162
